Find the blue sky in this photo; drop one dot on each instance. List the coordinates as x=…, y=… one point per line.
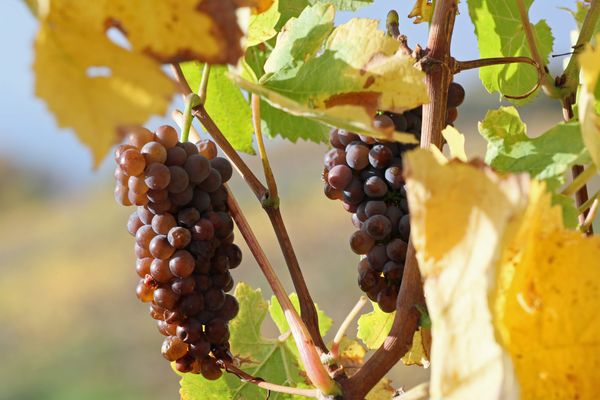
x=29, y=135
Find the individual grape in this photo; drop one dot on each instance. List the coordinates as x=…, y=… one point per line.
x=173, y=348
x=219, y=265
x=159, y=270
x=201, y=200
x=383, y=123
x=203, y=282
x=214, y=299
x=165, y=298
x=339, y=176
x=375, y=207
x=121, y=195
x=185, y=364
x=212, y=182
x=154, y=152
x=121, y=149
x=166, y=135
x=368, y=278
x=223, y=166
x=404, y=228
x=190, y=331
x=234, y=254
x=393, y=270
x=357, y=155
x=393, y=176
x=160, y=207
x=137, y=199
x=334, y=157
x=210, y=369
x=188, y=216
x=361, y=212
x=139, y=137
x=399, y=120
x=378, y=227
x=179, y=237
x=222, y=280
x=134, y=223
x=377, y=257
x=189, y=148
x=346, y=137
x=217, y=331
x=375, y=187
x=182, y=264
x=166, y=329
x=121, y=177
x=132, y=162
x=203, y=230
x=144, y=235
x=157, y=176
x=361, y=242
x=182, y=198
x=218, y=198
x=380, y=156
x=158, y=196
x=334, y=140
x=142, y=266
x=137, y=184
x=200, y=348
x=222, y=223
x=353, y=193
x=350, y=207
x=176, y=156
x=143, y=292
x=141, y=252
x=179, y=179
x=222, y=352
x=230, y=308
x=207, y=148
x=160, y=247
x=456, y=95
x=197, y=168
x=386, y=299
x=451, y=115
x=356, y=222
x=367, y=139
x=163, y=223
x=157, y=312
x=184, y=286
x=332, y=193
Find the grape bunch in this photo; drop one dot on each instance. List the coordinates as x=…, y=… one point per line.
x=183, y=243
x=366, y=175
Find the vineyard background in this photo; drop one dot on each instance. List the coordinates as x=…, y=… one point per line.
x=71, y=325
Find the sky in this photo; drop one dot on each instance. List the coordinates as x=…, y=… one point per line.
x=29, y=135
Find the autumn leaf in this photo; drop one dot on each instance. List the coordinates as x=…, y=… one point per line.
x=422, y=11
x=588, y=104
x=96, y=86
x=456, y=142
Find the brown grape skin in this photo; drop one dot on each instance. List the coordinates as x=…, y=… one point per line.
x=223, y=166
x=197, y=168
x=159, y=270
x=200, y=348
x=137, y=184
x=160, y=207
x=179, y=237
x=163, y=223
x=142, y=266
x=134, y=223
x=158, y=176
x=203, y=230
x=185, y=364
x=217, y=331
x=184, y=286
x=144, y=236
x=165, y=298
x=120, y=149
x=121, y=177
x=138, y=199
x=167, y=136
x=183, y=198
x=143, y=292
x=214, y=299
x=166, y=329
x=182, y=264
x=121, y=195
x=210, y=369
x=176, y=156
x=154, y=152
x=191, y=305
x=173, y=348
x=139, y=137
x=141, y=252
x=132, y=162
x=179, y=179
x=190, y=331
x=160, y=247
x=207, y=148
x=157, y=196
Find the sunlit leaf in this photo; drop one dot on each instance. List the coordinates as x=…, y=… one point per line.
x=422, y=11
x=374, y=327
x=588, y=100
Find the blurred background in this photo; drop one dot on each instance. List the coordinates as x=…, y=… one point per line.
x=70, y=324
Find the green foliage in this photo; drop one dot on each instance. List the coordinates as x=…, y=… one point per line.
x=499, y=33
x=374, y=327
x=225, y=103
x=546, y=157
x=270, y=359
x=579, y=13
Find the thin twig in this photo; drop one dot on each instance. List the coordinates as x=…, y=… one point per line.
x=273, y=197
x=204, y=83
x=191, y=100
x=579, y=181
x=589, y=219
x=546, y=81
x=177, y=116
x=346, y=324
x=244, y=376
x=585, y=206
x=315, y=370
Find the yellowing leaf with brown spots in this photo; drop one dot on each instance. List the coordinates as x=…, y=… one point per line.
x=512, y=294
x=96, y=86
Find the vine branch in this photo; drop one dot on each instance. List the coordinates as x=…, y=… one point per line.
x=307, y=306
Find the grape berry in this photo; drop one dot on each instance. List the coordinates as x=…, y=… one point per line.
x=366, y=175
x=184, y=243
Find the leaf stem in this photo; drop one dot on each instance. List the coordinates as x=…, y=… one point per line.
x=580, y=180
x=272, y=197
x=315, y=370
x=204, y=83
x=546, y=81
x=244, y=376
x=589, y=219
x=335, y=347
x=191, y=100
x=177, y=116
x=588, y=203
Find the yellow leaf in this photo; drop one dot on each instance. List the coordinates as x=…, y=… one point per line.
x=416, y=355
x=456, y=142
x=96, y=86
x=422, y=11
x=589, y=60
x=512, y=294
x=460, y=215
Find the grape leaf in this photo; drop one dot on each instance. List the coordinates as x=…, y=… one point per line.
x=374, y=327
x=269, y=359
x=422, y=11
x=96, y=86
x=466, y=360
x=277, y=122
x=588, y=104
x=456, y=142
x=500, y=33
x=276, y=313
x=416, y=355
x=262, y=26
x=344, y=85
x=225, y=103
x=546, y=157
x=293, y=8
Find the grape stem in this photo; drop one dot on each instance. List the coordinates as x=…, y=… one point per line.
x=335, y=347
x=580, y=180
x=204, y=83
x=270, y=387
x=315, y=370
x=547, y=82
x=191, y=100
x=589, y=219
x=307, y=306
x=271, y=198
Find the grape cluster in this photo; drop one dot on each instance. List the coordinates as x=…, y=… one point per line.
x=184, y=243
x=366, y=175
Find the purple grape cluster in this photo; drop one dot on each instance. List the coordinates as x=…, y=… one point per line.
x=184, y=243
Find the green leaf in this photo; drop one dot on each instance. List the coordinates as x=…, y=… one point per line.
x=262, y=26
x=344, y=5
x=270, y=359
x=374, y=327
x=500, y=33
x=225, y=103
x=340, y=77
x=293, y=8
x=278, y=317
x=277, y=122
x=546, y=157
